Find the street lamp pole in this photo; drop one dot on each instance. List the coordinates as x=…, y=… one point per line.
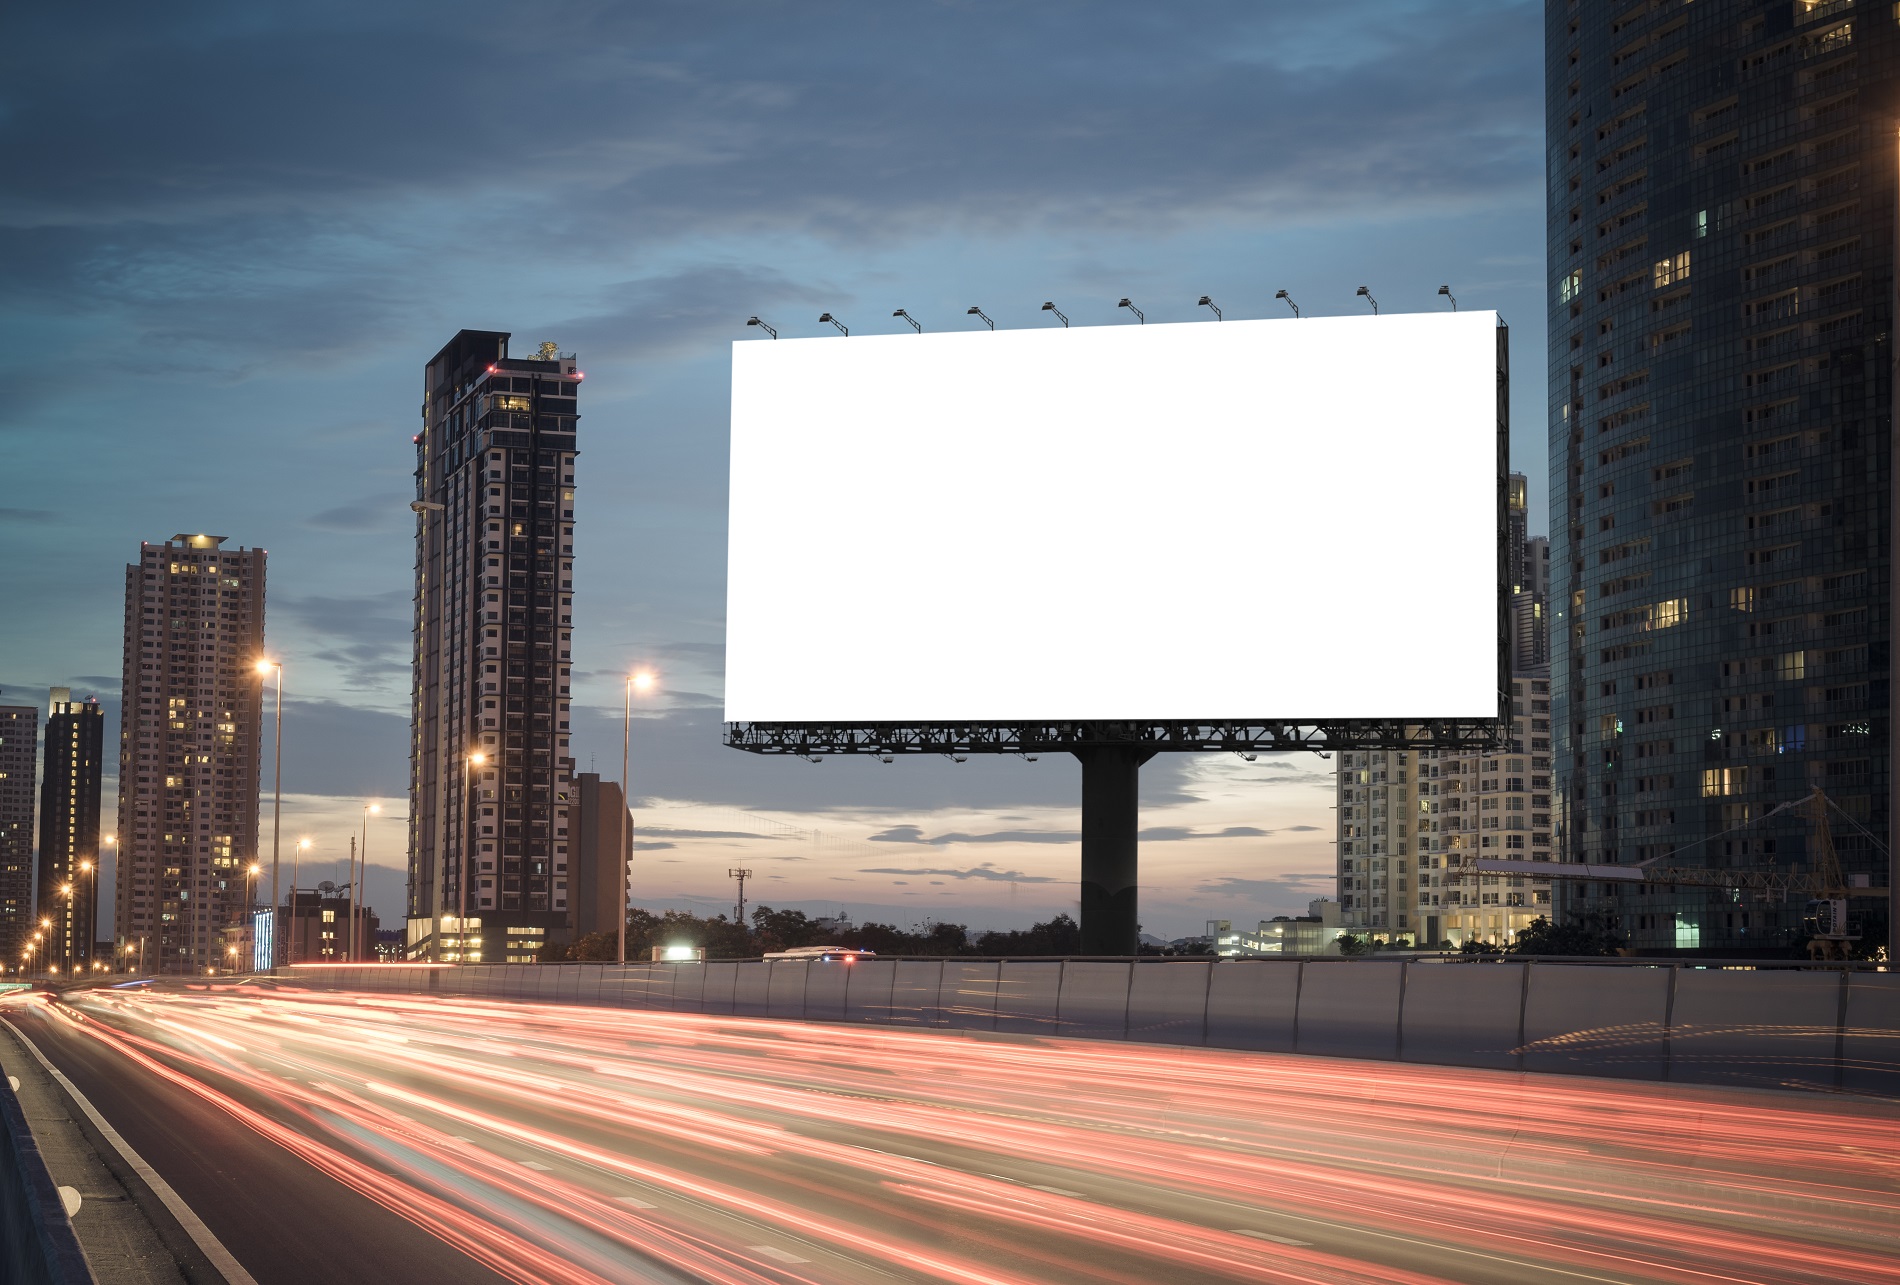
x=290, y=909
x=277, y=771
x=643, y=681
x=360, y=873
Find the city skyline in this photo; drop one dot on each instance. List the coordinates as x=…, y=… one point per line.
x=626, y=240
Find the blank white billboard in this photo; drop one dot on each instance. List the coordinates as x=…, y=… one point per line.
x=1289, y=519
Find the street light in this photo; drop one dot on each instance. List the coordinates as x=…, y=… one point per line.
x=1206, y=302
x=909, y=320
x=754, y=321
x=1049, y=306
x=1132, y=308
x=975, y=311
x=277, y=771
x=468, y=843
x=643, y=680
x=1446, y=291
x=1281, y=294
x=825, y=316
x=1366, y=294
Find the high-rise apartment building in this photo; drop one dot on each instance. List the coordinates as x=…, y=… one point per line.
x=494, y=577
x=1412, y=824
x=19, y=739
x=68, y=882
x=188, y=748
x=1721, y=241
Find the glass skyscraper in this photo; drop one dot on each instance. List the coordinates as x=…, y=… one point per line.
x=1721, y=247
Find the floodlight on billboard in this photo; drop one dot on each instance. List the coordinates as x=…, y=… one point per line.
x=1288, y=519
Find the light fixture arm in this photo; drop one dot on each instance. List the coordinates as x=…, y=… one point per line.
x=754, y=321
x=1289, y=302
x=978, y=312
x=1207, y=302
x=1132, y=308
x=1446, y=291
x=909, y=320
x=1367, y=296
x=1050, y=307
x=825, y=316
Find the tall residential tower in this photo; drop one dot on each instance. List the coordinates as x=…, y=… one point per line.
x=1721, y=246
x=490, y=766
x=68, y=880
x=19, y=739
x=188, y=748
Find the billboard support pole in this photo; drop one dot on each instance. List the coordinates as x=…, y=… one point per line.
x=1111, y=816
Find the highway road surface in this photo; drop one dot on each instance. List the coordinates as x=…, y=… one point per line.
x=327, y=1136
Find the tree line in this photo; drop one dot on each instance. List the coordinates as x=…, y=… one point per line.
x=771, y=930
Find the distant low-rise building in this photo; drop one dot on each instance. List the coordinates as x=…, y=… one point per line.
x=1314, y=933
x=318, y=930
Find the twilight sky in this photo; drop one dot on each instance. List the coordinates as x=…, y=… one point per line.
x=230, y=235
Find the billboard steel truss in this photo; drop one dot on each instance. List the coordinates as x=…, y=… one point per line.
x=806, y=740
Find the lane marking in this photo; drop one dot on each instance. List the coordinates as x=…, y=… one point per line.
x=1266, y=1235
x=635, y=1201
x=773, y=1251
x=1058, y=1191
x=209, y=1245
x=538, y=1166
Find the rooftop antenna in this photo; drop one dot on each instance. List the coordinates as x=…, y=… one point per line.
x=1132, y=308
x=1289, y=302
x=754, y=321
x=909, y=320
x=975, y=311
x=1050, y=307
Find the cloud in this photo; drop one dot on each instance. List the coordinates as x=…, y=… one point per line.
x=27, y=515
x=379, y=514
x=366, y=636
x=912, y=834
x=641, y=845
x=986, y=871
x=1281, y=887
x=1168, y=833
x=709, y=834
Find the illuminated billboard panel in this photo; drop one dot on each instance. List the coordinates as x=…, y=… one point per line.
x=1288, y=519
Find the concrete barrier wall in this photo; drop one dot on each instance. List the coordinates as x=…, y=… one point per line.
x=1767, y=1027
x=37, y=1243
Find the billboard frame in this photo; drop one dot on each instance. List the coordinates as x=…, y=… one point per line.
x=1112, y=750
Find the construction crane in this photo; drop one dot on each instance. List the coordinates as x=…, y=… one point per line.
x=1821, y=881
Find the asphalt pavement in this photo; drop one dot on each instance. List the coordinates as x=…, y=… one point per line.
x=326, y=1136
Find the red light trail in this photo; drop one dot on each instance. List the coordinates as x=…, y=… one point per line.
x=563, y=1145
